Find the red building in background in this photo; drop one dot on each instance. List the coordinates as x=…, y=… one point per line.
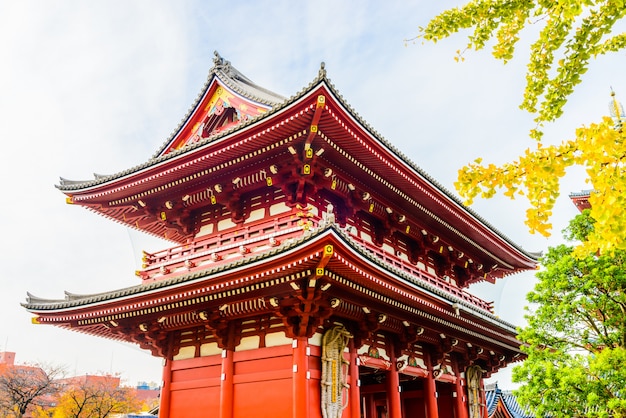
x=315, y=271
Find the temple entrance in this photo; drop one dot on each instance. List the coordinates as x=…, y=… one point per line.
x=374, y=399
x=375, y=402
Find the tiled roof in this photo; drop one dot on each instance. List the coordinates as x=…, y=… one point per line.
x=71, y=300
x=226, y=71
x=507, y=400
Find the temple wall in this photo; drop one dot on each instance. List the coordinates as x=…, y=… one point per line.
x=263, y=384
x=195, y=387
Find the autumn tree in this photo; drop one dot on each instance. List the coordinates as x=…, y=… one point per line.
x=95, y=397
x=570, y=34
x=26, y=387
x=576, y=334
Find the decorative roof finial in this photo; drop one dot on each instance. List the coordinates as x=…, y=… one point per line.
x=616, y=111
x=322, y=72
x=220, y=63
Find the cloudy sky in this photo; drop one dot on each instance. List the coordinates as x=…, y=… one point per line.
x=97, y=87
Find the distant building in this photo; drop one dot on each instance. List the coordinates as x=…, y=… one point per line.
x=503, y=404
x=7, y=358
x=581, y=199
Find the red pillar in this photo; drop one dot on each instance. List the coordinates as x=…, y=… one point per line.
x=430, y=390
x=227, y=386
x=483, y=398
x=393, y=384
x=164, y=403
x=300, y=377
x=355, y=390
x=460, y=405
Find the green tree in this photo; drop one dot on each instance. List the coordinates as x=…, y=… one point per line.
x=570, y=34
x=576, y=333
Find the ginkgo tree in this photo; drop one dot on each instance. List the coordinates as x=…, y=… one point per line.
x=570, y=34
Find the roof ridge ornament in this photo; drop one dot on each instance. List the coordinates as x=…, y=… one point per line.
x=322, y=71
x=220, y=63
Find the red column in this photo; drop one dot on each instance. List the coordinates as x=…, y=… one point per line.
x=164, y=403
x=300, y=375
x=226, y=386
x=393, y=384
x=460, y=405
x=483, y=398
x=430, y=390
x=355, y=390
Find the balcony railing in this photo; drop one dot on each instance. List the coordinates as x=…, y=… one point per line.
x=261, y=236
x=223, y=247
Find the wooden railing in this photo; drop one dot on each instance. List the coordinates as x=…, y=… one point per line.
x=424, y=276
x=223, y=247
x=261, y=236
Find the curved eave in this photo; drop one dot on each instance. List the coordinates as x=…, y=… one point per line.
x=525, y=259
x=78, y=306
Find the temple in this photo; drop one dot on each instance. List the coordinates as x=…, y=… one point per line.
x=315, y=271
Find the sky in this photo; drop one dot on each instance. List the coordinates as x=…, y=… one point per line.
x=98, y=86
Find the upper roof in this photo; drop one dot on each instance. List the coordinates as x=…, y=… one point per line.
x=185, y=157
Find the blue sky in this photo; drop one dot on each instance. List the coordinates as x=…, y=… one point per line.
x=97, y=87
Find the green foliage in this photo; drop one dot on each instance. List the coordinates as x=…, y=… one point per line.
x=570, y=34
x=576, y=334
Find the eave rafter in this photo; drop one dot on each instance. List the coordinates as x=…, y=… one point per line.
x=317, y=289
